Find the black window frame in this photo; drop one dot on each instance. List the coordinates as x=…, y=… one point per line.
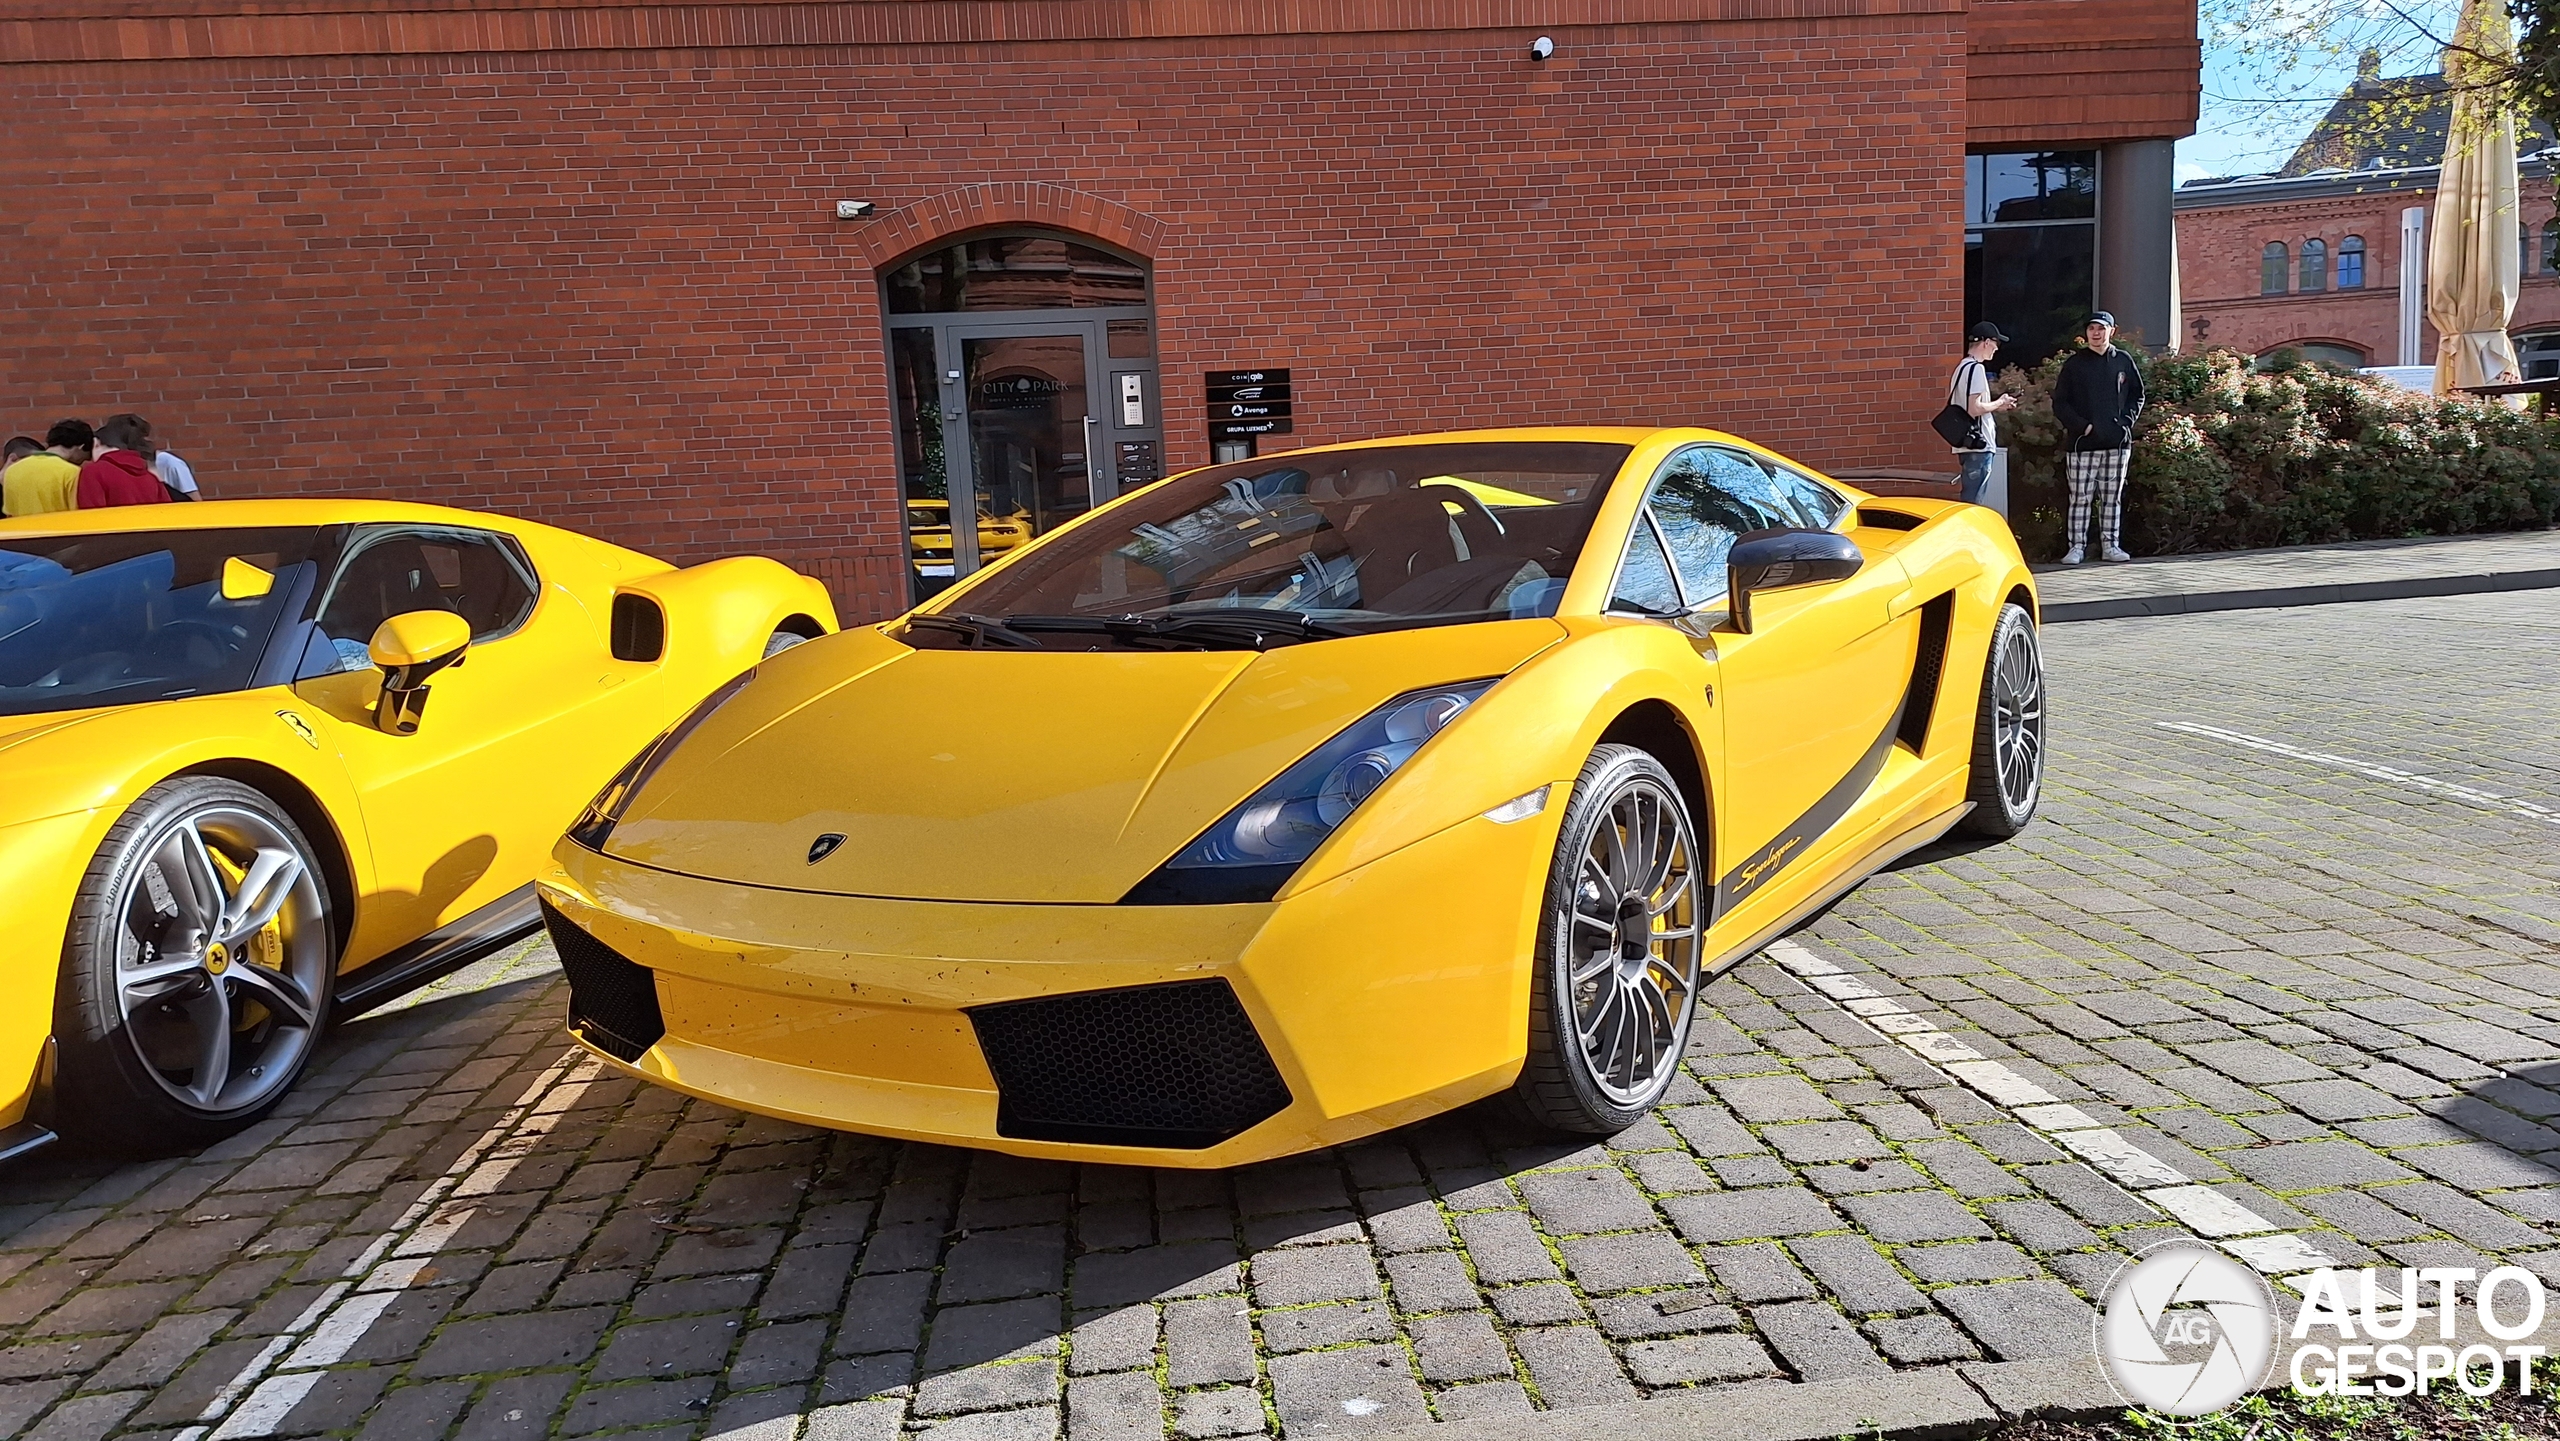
x=365, y=537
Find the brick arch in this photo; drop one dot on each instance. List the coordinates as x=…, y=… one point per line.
x=911, y=228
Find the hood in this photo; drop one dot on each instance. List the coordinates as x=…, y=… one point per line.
x=1015, y=776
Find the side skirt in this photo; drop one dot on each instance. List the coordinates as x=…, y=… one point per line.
x=442, y=951
x=1893, y=849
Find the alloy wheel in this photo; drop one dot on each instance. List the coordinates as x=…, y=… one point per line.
x=1634, y=943
x=222, y=957
x=2017, y=697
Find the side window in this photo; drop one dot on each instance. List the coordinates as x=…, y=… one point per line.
x=1644, y=576
x=471, y=575
x=1703, y=499
x=1818, y=506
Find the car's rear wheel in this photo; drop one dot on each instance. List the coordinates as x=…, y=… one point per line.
x=1616, y=979
x=197, y=973
x=780, y=641
x=2008, y=731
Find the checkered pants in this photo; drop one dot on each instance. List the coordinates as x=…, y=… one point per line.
x=2096, y=478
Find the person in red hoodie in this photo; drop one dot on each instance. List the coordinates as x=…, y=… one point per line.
x=122, y=474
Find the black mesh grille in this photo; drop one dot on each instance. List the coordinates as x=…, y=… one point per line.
x=1928, y=664
x=613, y=1000
x=1177, y=1066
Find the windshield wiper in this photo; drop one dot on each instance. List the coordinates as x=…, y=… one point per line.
x=1237, y=629
x=983, y=631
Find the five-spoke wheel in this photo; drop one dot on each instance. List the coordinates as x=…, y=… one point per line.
x=1617, y=976
x=198, y=975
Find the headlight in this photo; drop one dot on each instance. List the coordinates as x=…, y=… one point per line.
x=1253, y=849
x=596, y=825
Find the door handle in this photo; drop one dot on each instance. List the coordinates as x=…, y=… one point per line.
x=1093, y=496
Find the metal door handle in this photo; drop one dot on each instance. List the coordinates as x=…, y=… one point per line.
x=1093, y=496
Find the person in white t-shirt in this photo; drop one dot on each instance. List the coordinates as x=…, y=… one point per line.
x=1971, y=388
x=175, y=474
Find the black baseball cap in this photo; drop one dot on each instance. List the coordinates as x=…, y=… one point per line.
x=1986, y=331
x=2099, y=317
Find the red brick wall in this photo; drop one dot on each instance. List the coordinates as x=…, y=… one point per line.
x=606, y=288
x=2084, y=72
x=2218, y=259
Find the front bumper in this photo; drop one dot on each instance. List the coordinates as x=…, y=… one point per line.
x=1393, y=992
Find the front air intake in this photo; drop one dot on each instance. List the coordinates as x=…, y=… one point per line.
x=613, y=1000
x=1176, y=1066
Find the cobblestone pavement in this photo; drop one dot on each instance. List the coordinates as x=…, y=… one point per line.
x=2296, y=956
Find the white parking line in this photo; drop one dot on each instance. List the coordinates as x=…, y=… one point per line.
x=2469, y=795
x=2202, y=1209
x=331, y=1326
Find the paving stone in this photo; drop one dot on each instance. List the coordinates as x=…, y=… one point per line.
x=1208, y=1340
x=1969, y=1261
x=1573, y=1203
x=1407, y=1221
x=1038, y=1423
x=1123, y=1340
x=1670, y=1175
x=1186, y=1268
x=1434, y=1281
x=1504, y=1247
x=507, y=1343
x=2335, y=1100
x=884, y=1313
x=993, y=1331
x=2478, y=1166
x=1540, y=1303
x=2021, y=1320
x=1913, y=1216
x=1966, y=1171
x=1364, y=1388
x=2461, y=1216
x=2308, y=1164
x=1460, y=1347
x=1764, y=1099
x=1200, y=1415
x=2255, y=1063
x=1728, y=1216
x=1115, y=1408
x=1481, y=1400
x=2090, y=1196
x=1735, y=1172
x=1920, y=1340
x=1851, y=1268
x=1758, y=1272
x=999, y=1265
x=517, y=1408
x=1865, y=1176
x=1814, y=1141
x=1602, y=1264
x=1321, y=1273
x=1684, y=1360
x=1572, y=1366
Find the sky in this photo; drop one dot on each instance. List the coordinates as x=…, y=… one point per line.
x=2272, y=66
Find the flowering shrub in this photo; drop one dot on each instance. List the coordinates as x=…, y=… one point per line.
x=2229, y=457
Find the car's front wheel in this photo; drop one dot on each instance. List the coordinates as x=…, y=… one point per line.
x=197, y=975
x=2008, y=731
x=1616, y=979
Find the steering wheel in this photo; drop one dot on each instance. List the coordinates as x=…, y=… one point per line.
x=1476, y=522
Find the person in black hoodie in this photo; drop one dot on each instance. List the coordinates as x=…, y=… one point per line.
x=2096, y=399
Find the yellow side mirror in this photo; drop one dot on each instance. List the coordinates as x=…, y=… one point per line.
x=410, y=647
x=243, y=581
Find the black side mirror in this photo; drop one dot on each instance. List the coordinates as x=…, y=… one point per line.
x=1782, y=560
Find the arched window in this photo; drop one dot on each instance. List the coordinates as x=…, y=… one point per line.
x=2550, y=246
x=2271, y=268
x=2315, y=266
x=2351, y=263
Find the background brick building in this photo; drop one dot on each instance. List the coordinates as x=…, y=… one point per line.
x=583, y=261
x=2309, y=256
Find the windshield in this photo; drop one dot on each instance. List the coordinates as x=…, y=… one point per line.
x=1330, y=542
x=93, y=620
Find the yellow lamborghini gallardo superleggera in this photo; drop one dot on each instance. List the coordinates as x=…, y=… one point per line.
x=1300, y=797
x=265, y=761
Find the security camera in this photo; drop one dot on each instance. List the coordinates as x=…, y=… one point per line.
x=852, y=209
x=1541, y=48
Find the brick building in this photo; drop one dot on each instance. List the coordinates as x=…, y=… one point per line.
x=2310, y=256
x=589, y=260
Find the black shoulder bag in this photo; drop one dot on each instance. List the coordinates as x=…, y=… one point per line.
x=1953, y=423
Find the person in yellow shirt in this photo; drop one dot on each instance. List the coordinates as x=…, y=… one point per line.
x=50, y=478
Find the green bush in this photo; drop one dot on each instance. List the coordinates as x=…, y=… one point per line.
x=2230, y=457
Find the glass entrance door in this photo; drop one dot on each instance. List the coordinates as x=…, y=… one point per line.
x=1031, y=422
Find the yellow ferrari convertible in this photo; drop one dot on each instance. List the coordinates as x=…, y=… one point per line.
x=265, y=762
x=1297, y=798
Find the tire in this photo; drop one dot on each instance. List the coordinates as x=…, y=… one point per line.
x=2007, y=779
x=1606, y=1025
x=179, y=1020
x=780, y=641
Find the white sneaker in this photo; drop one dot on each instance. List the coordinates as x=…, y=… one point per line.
x=2071, y=556
x=2113, y=553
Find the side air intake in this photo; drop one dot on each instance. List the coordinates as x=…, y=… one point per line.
x=613, y=1000
x=1177, y=1066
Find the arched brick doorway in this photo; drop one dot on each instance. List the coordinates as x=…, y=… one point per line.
x=1023, y=369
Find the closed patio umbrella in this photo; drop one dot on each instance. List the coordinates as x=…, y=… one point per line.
x=2472, y=262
